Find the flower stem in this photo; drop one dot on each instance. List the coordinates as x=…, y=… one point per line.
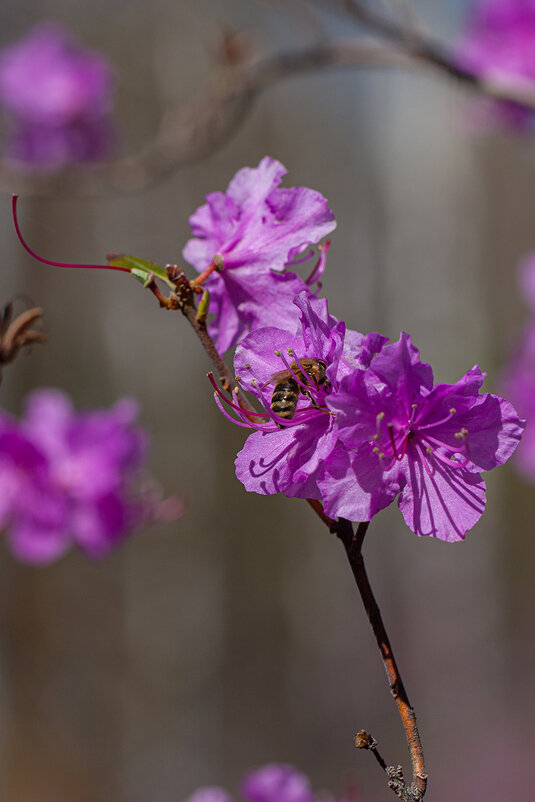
x=353, y=548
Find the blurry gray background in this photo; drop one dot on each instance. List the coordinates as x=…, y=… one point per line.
x=235, y=636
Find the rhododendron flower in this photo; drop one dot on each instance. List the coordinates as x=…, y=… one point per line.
x=400, y=435
x=257, y=228
x=73, y=478
x=286, y=454
x=57, y=99
x=500, y=45
x=275, y=782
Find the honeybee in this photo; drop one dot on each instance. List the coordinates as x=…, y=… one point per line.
x=286, y=390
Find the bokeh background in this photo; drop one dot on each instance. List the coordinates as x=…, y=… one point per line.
x=235, y=636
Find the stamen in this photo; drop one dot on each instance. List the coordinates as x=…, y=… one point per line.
x=287, y=364
x=48, y=261
x=229, y=402
x=448, y=417
x=320, y=264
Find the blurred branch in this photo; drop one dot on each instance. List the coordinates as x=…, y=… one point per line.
x=192, y=132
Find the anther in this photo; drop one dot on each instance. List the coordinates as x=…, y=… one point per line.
x=247, y=367
x=375, y=437
x=414, y=406
x=380, y=416
x=290, y=351
x=428, y=450
x=277, y=352
x=459, y=435
x=381, y=455
x=453, y=411
x=375, y=450
x=254, y=382
x=238, y=379
x=464, y=431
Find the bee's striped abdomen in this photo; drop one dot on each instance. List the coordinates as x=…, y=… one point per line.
x=284, y=398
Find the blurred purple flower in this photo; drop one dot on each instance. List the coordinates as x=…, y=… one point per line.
x=499, y=45
x=258, y=229
x=73, y=478
x=400, y=435
x=276, y=782
x=57, y=98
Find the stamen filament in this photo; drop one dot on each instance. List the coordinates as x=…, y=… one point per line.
x=48, y=261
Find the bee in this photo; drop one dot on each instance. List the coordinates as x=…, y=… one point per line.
x=286, y=390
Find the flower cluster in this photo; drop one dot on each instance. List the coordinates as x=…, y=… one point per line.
x=73, y=478
x=257, y=229
x=347, y=419
x=499, y=44
x=375, y=429
x=57, y=100
x=275, y=782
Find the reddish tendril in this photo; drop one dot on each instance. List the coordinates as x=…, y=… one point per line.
x=47, y=261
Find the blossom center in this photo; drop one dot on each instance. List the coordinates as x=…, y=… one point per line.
x=429, y=439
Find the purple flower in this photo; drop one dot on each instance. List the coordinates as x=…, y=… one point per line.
x=257, y=228
x=400, y=435
x=57, y=99
x=285, y=454
x=72, y=478
x=500, y=45
x=276, y=783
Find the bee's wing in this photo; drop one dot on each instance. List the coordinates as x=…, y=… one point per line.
x=276, y=378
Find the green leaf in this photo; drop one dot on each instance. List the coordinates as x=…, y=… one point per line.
x=141, y=269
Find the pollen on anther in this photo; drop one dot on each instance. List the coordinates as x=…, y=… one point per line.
x=414, y=406
x=375, y=450
x=464, y=431
x=453, y=411
x=277, y=352
x=382, y=455
x=289, y=351
x=428, y=450
x=458, y=435
x=375, y=437
x=380, y=416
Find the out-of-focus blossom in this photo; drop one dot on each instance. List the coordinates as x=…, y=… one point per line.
x=57, y=99
x=73, y=478
x=499, y=45
x=519, y=385
x=276, y=782
x=258, y=229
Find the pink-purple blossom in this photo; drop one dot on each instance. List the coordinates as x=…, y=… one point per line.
x=258, y=229
x=400, y=436
x=499, y=46
x=57, y=98
x=286, y=455
x=72, y=478
x=275, y=782
x=376, y=430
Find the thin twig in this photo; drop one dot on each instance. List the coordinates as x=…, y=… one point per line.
x=417, y=788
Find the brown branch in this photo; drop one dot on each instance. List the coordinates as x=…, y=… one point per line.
x=352, y=542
